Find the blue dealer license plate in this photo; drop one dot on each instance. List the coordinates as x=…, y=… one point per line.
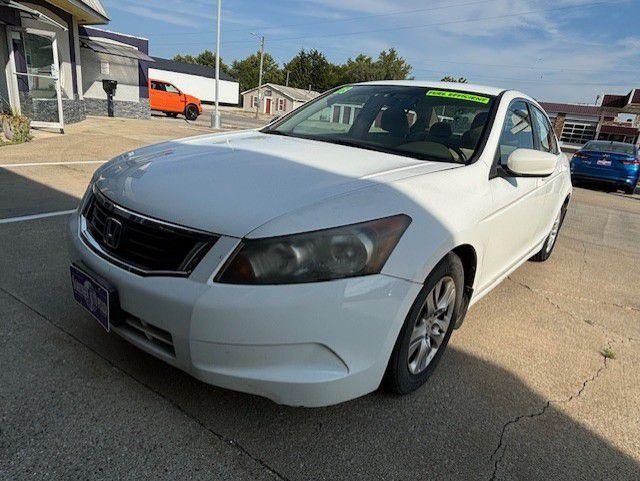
x=96, y=298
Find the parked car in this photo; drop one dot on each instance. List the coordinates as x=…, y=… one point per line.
x=166, y=97
x=614, y=163
x=315, y=259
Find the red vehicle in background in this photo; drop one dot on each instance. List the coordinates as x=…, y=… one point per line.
x=166, y=97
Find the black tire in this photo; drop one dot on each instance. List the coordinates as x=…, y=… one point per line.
x=398, y=378
x=628, y=189
x=550, y=242
x=191, y=112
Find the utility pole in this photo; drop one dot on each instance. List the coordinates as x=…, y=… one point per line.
x=215, y=118
x=259, y=103
x=287, y=84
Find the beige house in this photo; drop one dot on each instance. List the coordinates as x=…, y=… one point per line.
x=276, y=99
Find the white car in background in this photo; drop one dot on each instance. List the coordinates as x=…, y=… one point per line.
x=332, y=251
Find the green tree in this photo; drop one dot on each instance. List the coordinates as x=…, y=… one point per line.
x=246, y=71
x=360, y=69
x=311, y=69
x=206, y=57
x=391, y=66
x=449, y=78
x=388, y=66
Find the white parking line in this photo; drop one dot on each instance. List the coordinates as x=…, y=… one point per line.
x=39, y=164
x=24, y=218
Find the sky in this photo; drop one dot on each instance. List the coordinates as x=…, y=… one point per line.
x=553, y=50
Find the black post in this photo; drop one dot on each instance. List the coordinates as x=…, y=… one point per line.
x=109, y=87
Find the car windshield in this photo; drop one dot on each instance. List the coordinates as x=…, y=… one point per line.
x=611, y=147
x=420, y=122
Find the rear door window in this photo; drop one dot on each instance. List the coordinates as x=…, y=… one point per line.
x=158, y=86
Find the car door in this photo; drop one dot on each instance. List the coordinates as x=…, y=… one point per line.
x=551, y=186
x=157, y=89
x=517, y=201
x=174, y=99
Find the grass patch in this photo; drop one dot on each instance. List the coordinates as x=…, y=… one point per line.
x=608, y=353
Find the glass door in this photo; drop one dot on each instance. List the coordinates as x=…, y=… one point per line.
x=35, y=56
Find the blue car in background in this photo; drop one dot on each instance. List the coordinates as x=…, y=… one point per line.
x=614, y=163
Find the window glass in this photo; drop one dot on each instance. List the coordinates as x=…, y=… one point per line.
x=578, y=132
x=544, y=131
x=171, y=89
x=517, y=132
x=338, y=117
x=158, y=86
x=611, y=147
x=420, y=122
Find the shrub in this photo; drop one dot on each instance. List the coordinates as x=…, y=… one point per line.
x=16, y=128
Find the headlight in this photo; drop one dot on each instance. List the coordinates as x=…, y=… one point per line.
x=349, y=251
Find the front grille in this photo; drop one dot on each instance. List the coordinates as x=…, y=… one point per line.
x=141, y=244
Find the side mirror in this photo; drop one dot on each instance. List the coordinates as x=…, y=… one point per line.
x=531, y=163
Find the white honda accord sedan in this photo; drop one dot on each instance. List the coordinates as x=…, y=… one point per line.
x=329, y=253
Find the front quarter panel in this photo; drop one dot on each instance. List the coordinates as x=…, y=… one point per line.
x=445, y=208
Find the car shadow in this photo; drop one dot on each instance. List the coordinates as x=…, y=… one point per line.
x=473, y=420
x=599, y=186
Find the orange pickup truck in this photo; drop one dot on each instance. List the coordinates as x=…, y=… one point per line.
x=168, y=98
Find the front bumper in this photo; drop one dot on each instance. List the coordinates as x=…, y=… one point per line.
x=305, y=345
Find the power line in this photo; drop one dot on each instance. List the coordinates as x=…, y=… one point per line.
x=412, y=27
x=482, y=64
x=338, y=20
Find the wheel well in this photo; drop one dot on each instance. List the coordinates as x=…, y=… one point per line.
x=467, y=255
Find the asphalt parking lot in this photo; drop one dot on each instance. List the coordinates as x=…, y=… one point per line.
x=524, y=391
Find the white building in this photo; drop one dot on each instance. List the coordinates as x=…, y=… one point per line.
x=196, y=80
x=55, y=60
x=276, y=99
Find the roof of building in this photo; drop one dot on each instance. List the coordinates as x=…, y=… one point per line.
x=575, y=109
x=302, y=95
x=617, y=101
x=621, y=101
x=96, y=6
x=189, y=68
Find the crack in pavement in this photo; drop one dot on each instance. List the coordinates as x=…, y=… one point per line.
x=225, y=439
x=545, y=295
x=501, y=448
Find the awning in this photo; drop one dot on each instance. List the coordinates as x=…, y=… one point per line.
x=32, y=13
x=112, y=49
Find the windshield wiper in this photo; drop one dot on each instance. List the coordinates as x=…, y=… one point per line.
x=376, y=148
x=277, y=132
x=360, y=145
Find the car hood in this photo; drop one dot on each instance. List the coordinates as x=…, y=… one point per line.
x=233, y=183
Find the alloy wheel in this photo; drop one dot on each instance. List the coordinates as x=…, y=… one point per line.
x=432, y=325
x=553, y=235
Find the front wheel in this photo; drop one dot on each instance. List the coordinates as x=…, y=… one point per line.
x=191, y=112
x=427, y=329
x=550, y=242
x=629, y=189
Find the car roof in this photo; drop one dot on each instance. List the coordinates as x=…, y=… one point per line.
x=463, y=87
x=611, y=142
